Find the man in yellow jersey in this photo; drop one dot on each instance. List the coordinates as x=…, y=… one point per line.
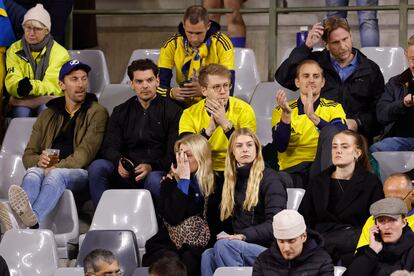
x=218, y=114
x=198, y=42
x=396, y=185
x=303, y=129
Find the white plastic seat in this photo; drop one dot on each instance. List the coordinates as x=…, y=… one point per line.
x=247, y=73
x=69, y=271
x=394, y=161
x=29, y=252
x=295, y=196
x=63, y=220
x=14, y=143
x=391, y=60
x=127, y=210
x=115, y=94
x=99, y=75
x=339, y=270
x=263, y=102
x=233, y=271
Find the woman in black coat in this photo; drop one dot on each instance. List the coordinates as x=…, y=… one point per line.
x=336, y=203
x=182, y=196
x=252, y=195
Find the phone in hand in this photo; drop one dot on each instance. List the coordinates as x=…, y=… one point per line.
x=378, y=237
x=182, y=84
x=128, y=165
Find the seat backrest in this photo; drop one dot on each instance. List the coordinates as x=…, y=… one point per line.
x=14, y=143
x=141, y=271
x=295, y=196
x=394, y=161
x=339, y=270
x=120, y=242
x=232, y=271
x=127, y=210
x=115, y=94
x=99, y=75
x=391, y=60
x=263, y=102
x=247, y=73
x=69, y=271
x=26, y=251
x=64, y=217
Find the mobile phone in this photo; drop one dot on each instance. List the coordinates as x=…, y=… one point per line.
x=377, y=236
x=184, y=82
x=128, y=166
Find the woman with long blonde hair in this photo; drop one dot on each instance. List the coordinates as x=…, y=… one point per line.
x=189, y=188
x=252, y=195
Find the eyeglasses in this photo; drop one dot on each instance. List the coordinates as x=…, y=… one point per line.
x=29, y=29
x=115, y=273
x=217, y=88
x=407, y=195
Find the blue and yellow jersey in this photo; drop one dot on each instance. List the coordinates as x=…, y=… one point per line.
x=195, y=118
x=7, y=35
x=304, y=134
x=176, y=53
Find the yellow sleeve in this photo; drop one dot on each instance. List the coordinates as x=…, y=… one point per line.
x=276, y=116
x=225, y=51
x=338, y=112
x=166, y=59
x=50, y=83
x=364, y=238
x=14, y=71
x=248, y=118
x=186, y=123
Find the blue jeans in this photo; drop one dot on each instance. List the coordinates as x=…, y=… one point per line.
x=101, y=171
x=44, y=192
x=229, y=253
x=24, y=111
x=393, y=144
x=368, y=22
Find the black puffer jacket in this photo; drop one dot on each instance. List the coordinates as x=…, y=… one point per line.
x=256, y=225
x=392, y=257
x=313, y=260
x=359, y=93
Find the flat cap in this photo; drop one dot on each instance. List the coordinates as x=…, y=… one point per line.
x=388, y=207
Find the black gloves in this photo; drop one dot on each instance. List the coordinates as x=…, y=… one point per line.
x=24, y=87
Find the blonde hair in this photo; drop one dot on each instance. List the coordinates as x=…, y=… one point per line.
x=230, y=176
x=200, y=148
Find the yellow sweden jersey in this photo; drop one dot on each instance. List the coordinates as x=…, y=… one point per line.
x=303, y=133
x=196, y=118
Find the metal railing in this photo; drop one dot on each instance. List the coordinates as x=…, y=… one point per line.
x=273, y=12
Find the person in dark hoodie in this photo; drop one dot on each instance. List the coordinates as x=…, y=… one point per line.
x=296, y=251
x=395, y=109
x=198, y=42
x=391, y=242
x=73, y=124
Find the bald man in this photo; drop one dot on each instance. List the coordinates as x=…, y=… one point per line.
x=397, y=185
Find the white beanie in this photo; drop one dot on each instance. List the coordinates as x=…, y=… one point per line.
x=40, y=14
x=288, y=224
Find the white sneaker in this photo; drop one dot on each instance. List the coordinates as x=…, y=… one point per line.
x=7, y=219
x=20, y=204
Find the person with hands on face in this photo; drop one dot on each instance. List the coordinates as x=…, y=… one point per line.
x=252, y=195
x=73, y=124
x=303, y=128
x=218, y=115
x=190, y=189
x=198, y=43
x=138, y=146
x=391, y=242
x=395, y=109
x=352, y=79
